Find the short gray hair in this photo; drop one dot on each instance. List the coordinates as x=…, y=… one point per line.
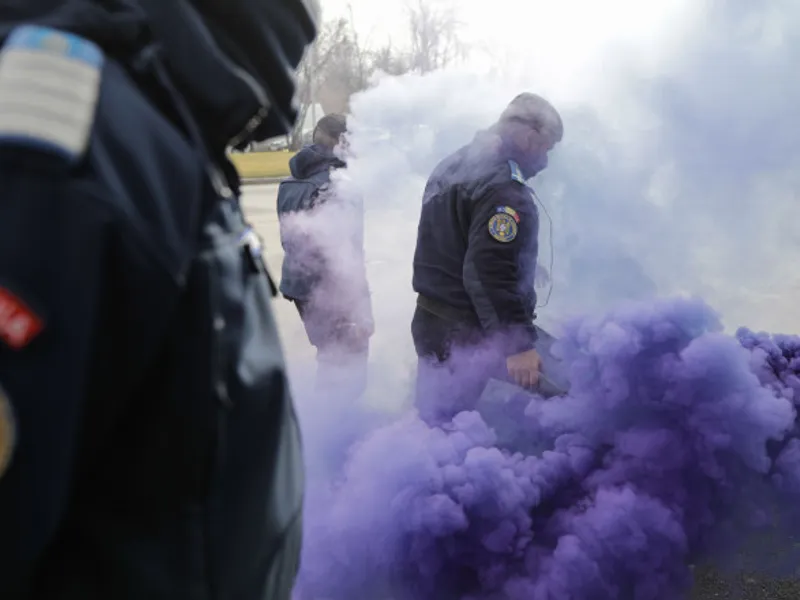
x=329, y=130
x=535, y=111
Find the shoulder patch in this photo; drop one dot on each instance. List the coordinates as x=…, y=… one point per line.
x=503, y=226
x=49, y=89
x=7, y=432
x=516, y=173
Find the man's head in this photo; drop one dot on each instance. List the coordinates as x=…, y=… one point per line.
x=532, y=127
x=329, y=130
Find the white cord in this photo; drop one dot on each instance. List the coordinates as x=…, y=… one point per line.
x=552, y=253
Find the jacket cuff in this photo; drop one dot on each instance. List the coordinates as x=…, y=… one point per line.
x=521, y=339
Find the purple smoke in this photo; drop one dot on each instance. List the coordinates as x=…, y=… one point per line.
x=667, y=424
x=776, y=362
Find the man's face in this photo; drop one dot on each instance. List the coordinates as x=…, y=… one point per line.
x=541, y=140
x=342, y=149
x=537, y=142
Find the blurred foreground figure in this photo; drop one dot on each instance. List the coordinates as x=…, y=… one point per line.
x=475, y=262
x=152, y=448
x=324, y=271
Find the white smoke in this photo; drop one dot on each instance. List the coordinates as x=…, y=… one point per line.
x=678, y=174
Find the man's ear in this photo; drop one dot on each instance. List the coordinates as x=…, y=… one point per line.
x=522, y=138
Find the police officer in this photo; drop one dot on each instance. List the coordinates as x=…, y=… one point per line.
x=475, y=261
x=324, y=271
x=149, y=445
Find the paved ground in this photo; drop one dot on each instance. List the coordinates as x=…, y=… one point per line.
x=259, y=203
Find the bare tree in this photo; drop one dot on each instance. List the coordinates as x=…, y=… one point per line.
x=334, y=68
x=359, y=56
x=346, y=73
x=312, y=71
x=434, y=30
x=339, y=64
x=389, y=60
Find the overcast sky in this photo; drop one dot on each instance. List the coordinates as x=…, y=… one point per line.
x=565, y=38
x=682, y=142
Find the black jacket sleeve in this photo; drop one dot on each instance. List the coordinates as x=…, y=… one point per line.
x=68, y=282
x=50, y=275
x=500, y=263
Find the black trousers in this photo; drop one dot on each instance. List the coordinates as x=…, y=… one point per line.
x=324, y=328
x=435, y=337
x=454, y=366
x=456, y=363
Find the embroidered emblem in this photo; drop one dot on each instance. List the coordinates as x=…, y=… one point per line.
x=503, y=227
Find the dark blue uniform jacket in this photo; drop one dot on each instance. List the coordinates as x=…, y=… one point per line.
x=303, y=264
x=477, y=243
x=157, y=453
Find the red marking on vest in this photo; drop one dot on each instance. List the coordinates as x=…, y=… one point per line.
x=19, y=325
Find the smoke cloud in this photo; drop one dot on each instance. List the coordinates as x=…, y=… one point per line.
x=676, y=181
x=665, y=426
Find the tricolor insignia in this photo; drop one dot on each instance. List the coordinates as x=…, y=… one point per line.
x=49, y=90
x=503, y=227
x=509, y=211
x=516, y=173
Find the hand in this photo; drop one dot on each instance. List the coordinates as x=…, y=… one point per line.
x=353, y=336
x=524, y=368
x=368, y=328
x=363, y=318
x=360, y=325
x=364, y=331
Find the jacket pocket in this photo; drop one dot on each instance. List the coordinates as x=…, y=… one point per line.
x=257, y=484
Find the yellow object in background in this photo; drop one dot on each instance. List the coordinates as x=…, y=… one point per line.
x=260, y=165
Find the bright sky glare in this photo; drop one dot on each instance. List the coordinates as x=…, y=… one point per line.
x=561, y=40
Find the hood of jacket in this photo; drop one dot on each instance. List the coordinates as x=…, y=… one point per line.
x=312, y=160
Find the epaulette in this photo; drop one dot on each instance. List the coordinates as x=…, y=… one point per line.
x=516, y=173
x=49, y=90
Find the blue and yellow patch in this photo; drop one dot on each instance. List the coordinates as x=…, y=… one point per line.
x=53, y=42
x=516, y=173
x=503, y=226
x=49, y=91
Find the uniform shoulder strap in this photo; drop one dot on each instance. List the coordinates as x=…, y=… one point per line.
x=49, y=90
x=516, y=173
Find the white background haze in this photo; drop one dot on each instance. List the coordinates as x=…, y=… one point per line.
x=678, y=173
